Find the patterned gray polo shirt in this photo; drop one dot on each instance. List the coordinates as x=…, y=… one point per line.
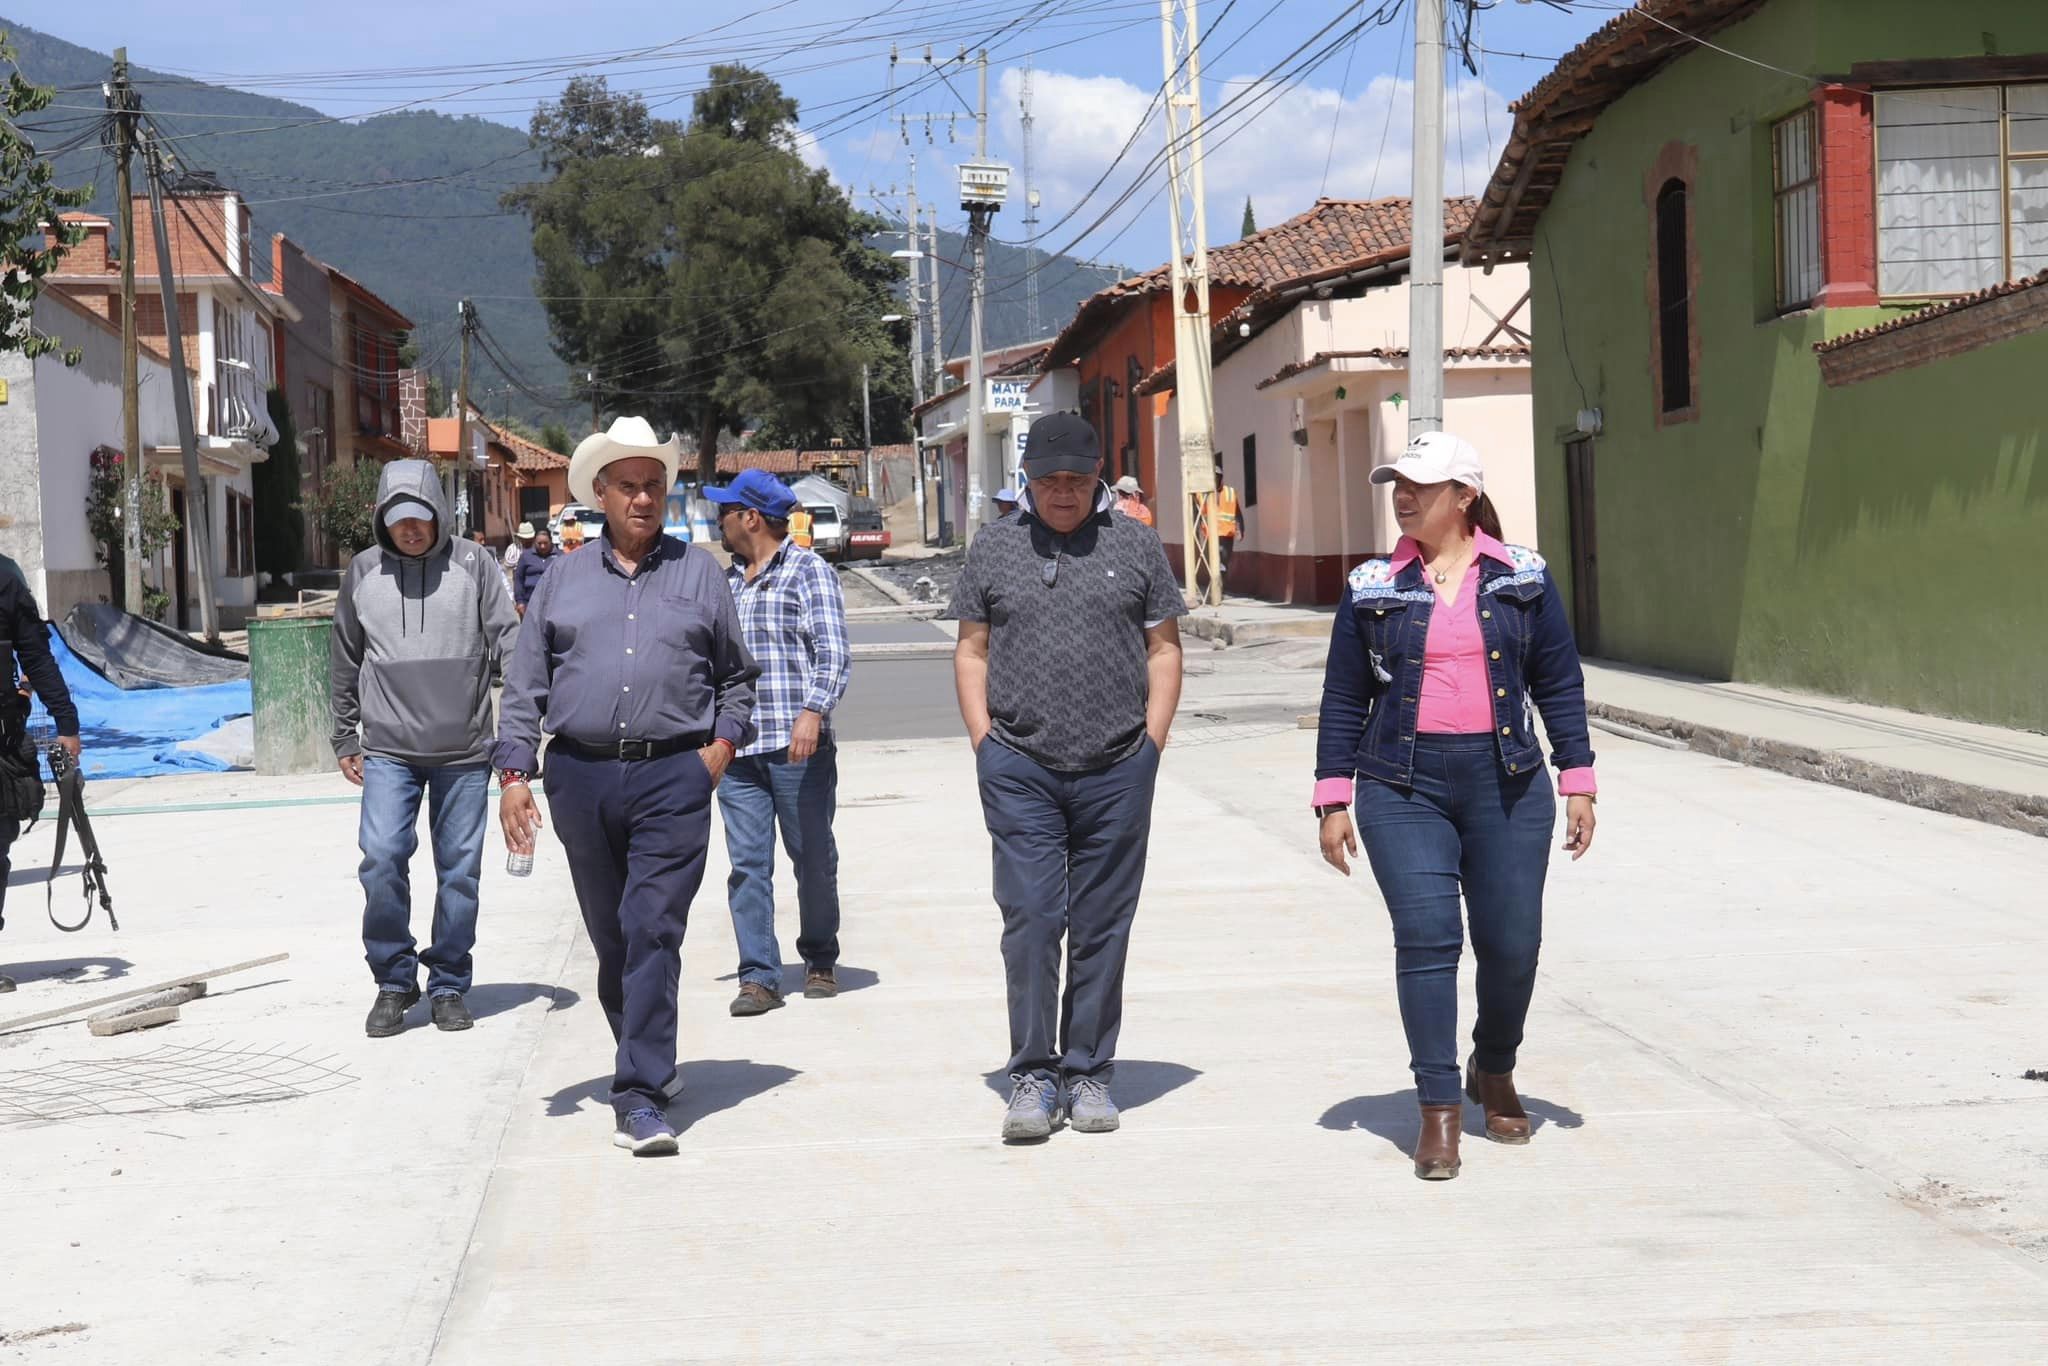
x=1067, y=684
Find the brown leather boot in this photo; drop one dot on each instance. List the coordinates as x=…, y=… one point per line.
x=1436, y=1147
x=1506, y=1120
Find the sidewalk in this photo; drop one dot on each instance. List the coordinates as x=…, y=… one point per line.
x=1985, y=773
x=1777, y=1058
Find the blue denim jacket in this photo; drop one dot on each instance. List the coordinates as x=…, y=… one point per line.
x=1373, y=680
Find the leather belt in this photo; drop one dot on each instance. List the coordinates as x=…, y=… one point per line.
x=630, y=751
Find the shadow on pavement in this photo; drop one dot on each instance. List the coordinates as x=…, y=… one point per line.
x=1394, y=1117
x=35, y=877
x=1137, y=1081
x=495, y=998
x=709, y=1085
x=67, y=969
x=850, y=979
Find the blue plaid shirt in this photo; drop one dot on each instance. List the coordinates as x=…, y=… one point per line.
x=793, y=620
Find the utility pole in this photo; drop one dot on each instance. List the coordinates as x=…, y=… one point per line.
x=1426, y=233
x=466, y=311
x=914, y=258
x=1194, y=396
x=931, y=256
x=1030, y=211
x=867, y=432
x=198, y=506
x=589, y=379
x=984, y=185
x=119, y=98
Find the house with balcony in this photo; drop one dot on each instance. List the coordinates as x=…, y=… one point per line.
x=228, y=325
x=1309, y=377
x=1785, y=418
x=337, y=364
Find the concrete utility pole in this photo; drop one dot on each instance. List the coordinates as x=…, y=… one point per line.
x=1426, y=233
x=466, y=311
x=867, y=433
x=914, y=258
x=1030, y=209
x=120, y=99
x=931, y=256
x=198, y=505
x=984, y=185
x=1194, y=395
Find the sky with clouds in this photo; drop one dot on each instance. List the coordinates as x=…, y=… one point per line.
x=1291, y=115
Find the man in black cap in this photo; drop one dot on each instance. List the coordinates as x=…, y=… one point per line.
x=1068, y=671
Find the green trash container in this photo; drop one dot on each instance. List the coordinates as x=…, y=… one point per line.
x=288, y=694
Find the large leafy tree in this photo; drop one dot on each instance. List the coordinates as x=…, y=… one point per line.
x=34, y=236
x=701, y=274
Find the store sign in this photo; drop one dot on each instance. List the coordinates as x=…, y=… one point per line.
x=1008, y=395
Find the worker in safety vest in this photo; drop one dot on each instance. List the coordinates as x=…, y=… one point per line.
x=800, y=525
x=1222, y=525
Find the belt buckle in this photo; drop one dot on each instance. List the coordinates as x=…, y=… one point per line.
x=635, y=750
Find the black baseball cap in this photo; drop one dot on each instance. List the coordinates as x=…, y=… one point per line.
x=1061, y=443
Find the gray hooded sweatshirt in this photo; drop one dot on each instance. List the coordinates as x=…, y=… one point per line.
x=415, y=638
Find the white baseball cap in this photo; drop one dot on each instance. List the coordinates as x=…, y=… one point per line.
x=1435, y=458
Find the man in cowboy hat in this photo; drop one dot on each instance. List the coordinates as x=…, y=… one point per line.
x=631, y=658
x=521, y=538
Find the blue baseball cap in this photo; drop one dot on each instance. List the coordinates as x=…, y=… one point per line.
x=759, y=490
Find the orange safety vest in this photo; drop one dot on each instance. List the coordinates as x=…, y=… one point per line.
x=1222, y=510
x=800, y=527
x=1135, y=509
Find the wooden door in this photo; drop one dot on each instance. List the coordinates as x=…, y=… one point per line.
x=1585, y=543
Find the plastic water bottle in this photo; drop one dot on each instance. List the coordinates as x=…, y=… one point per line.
x=518, y=865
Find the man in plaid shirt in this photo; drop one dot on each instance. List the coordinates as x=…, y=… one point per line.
x=793, y=620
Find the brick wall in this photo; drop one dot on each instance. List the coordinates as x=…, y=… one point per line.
x=1848, y=198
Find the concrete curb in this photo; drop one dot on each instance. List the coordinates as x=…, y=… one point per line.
x=1992, y=806
x=886, y=588
x=1252, y=632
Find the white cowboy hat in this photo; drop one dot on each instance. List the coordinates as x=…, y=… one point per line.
x=630, y=438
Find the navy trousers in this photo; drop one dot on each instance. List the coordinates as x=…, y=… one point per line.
x=636, y=834
x=1069, y=852
x=1465, y=826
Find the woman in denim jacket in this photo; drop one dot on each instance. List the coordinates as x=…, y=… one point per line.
x=1437, y=653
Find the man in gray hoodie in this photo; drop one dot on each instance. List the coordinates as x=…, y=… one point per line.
x=422, y=619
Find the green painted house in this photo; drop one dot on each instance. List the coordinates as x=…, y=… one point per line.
x=1790, y=264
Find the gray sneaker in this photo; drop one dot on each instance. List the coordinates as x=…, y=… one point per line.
x=1089, y=1108
x=1031, y=1105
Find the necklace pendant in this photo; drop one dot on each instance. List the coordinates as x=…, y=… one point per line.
x=1442, y=577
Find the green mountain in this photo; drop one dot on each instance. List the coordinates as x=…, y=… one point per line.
x=408, y=204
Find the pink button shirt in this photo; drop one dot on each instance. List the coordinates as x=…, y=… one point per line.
x=1457, y=691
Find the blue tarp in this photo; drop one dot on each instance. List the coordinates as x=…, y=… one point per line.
x=135, y=734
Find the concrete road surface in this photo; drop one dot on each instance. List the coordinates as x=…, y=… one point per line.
x=1777, y=1060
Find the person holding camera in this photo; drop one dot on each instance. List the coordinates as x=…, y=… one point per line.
x=25, y=648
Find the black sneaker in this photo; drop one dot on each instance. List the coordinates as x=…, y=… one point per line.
x=451, y=1012
x=387, y=1017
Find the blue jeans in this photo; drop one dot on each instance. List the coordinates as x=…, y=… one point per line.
x=1465, y=824
x=458, y=798
x=759, y=793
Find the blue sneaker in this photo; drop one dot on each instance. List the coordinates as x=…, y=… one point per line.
x=646, y=1133
x=1032, y=1100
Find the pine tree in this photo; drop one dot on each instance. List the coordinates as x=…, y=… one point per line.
x=35, y=238
x=1251, y=224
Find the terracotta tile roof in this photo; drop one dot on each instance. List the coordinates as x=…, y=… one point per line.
x=526, y=455
x=1335, y=236
x=1564, y=105
x=2004, y=311
x=1400, y=353
x=1026, y=364
x=1930, y=313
